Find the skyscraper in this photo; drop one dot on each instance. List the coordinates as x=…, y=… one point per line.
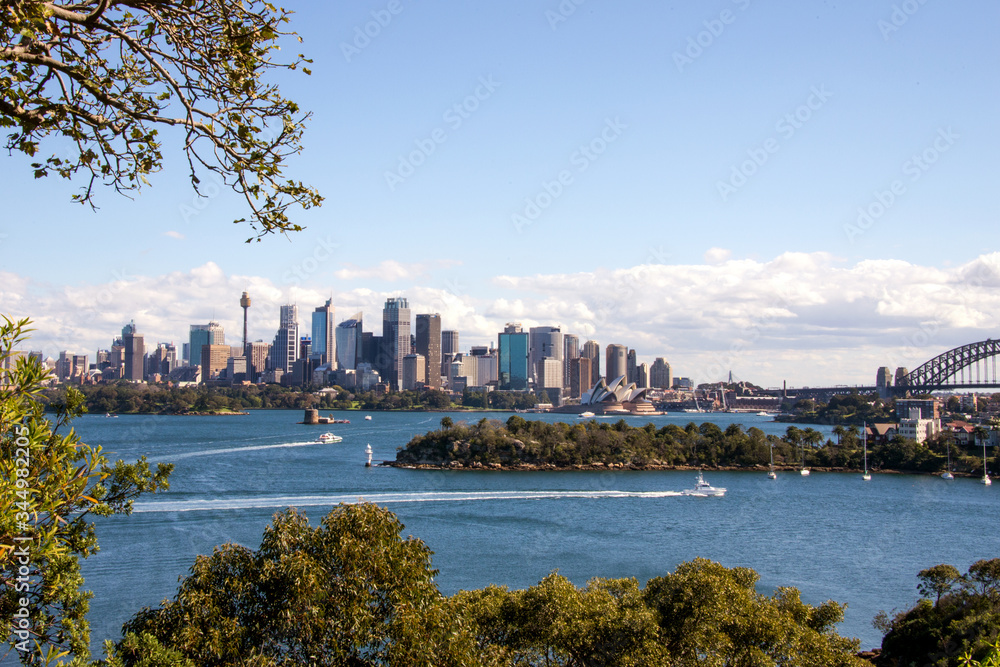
x=544, y=343
x=257, y=354
x=449, y=342
x=642, y=376
x=163, y=359
x=512, y=345
x=428, y=344
x=395, y=339
x=571, y=350
x=324, y=340
x=592, y=350
x=64, y=366
x=631, y=366
x=135, y=353
x=204, y=334
x=213, y=361
x=660, y=374
x=413, y=376
x=349, y=334
x=616, y=363
x=285, y=350
x=579, y=376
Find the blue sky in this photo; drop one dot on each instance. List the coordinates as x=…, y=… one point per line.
x=697, y=169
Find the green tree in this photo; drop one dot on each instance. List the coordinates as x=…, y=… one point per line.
x=350, y=591
x=712, y=615
x=938, y=580
x=50, y=484
x=963, y=618
x=107, y=75
x=556, y=623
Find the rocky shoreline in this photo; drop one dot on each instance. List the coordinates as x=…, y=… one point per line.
x=599, y=467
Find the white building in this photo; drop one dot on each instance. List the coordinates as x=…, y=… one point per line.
x=486, y=369
x=549, y=373
x=919, y=429
x=414, y=375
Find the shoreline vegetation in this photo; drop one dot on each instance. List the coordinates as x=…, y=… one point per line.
x=129, y=398
x=524, y=445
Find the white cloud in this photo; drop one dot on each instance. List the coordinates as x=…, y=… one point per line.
x=174, y=235
x=802, y=317
x=717, y=255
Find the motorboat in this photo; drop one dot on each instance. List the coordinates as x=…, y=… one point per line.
x=703, y=489
x=328, y=438
x=764, y=414
x=368, y=418
x=585, y=415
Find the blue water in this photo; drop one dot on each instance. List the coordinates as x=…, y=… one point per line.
x=830, y=535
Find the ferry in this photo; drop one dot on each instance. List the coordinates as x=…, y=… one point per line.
x=328, y=438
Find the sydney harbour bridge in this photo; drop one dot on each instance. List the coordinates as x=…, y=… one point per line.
x=969, y=367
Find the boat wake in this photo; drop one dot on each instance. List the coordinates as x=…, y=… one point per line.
x=202, y=505
x=233, y=450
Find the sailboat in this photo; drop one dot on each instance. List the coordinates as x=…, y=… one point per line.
x=947, y=471
x=772, y=474
x=864, y=438
x=986, y=476
x=805, y=470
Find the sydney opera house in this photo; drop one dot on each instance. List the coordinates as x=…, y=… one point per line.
x=614, y=398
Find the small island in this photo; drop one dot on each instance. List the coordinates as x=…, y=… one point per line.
x=520, y=444
x=216, y=412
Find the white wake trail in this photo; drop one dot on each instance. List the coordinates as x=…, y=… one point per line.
x=233, y=450
x=202, y=505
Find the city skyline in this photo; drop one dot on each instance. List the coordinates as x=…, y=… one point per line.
x=910, y=356
x=764, y=189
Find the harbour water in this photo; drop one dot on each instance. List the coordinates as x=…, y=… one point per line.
x=830, y=535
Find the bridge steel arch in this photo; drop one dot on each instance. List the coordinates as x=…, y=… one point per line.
x=934, y=374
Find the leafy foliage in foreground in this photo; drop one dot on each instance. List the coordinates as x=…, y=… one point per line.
x=50, y=484
x=351, y=591
x=959, y=615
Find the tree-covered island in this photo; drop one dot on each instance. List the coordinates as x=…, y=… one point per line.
x=536, y=445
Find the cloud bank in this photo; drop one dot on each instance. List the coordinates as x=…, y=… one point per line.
x=807, y=319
